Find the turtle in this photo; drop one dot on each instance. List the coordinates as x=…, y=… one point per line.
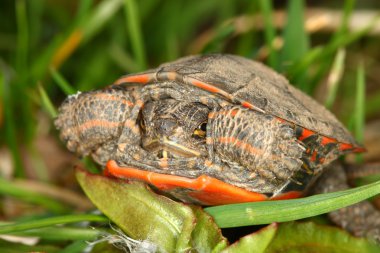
x=207, y=129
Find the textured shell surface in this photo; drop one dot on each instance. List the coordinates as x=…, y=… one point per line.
x=263, y=87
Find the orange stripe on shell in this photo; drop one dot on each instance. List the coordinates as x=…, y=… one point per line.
x=144, y=78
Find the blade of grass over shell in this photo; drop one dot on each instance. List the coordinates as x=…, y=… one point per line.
x=51, y=221
x=46, y=102
x=134, y=30
x=62, y=83
x=269, y=30
x=334, y=77
x=9, y=189
x=287, y=210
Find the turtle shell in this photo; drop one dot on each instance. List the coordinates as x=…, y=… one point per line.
x=251, y=83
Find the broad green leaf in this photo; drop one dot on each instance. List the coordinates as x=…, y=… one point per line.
x=210, y=238
x=266, y=212
x=136, y=210
x=258, y=241
x=309, y=237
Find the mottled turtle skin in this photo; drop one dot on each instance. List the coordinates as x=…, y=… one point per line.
x=223, y=116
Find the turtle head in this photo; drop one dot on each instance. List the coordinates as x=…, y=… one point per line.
x=173, y=128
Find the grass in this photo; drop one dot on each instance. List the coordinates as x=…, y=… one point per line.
x=50, y=50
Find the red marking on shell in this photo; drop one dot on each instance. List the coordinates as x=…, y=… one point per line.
x=326, y=140
x=350, y=147
x=247, y=105
x=208, y=190
x=134, y=79
x=314, y=156
x=306, y=133
x=206, y=86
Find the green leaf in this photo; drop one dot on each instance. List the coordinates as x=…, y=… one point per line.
x=136, y=210
x=309, y=237
x=259, y=241
x=210, y=238
x=266, y=212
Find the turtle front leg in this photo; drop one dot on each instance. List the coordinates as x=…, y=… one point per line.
x=262, y=153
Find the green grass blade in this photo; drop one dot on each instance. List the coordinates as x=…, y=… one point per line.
x=270, y=34
x=22, y=39
x=104, y=11
x=359, y=114
x=75, y=247
x=62, y=83
x=51, y=221
x=335, y=77
x=360, y=103
x=296, y=40
x=347, y=11
x=288, y=210
x=10, y=189
x=10, y=125
x=319, y=52
x=46, y=102
x=61, y=234
x=134, y=29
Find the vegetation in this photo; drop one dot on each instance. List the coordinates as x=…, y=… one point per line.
x=50, y=49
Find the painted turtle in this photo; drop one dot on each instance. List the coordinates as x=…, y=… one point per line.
x=212, y=129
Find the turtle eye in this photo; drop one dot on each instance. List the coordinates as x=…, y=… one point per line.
x=142, y=124
x=200, y=131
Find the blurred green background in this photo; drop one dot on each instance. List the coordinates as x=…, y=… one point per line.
x=49, y=49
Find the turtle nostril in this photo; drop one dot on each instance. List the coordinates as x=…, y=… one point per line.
x=162, y=154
